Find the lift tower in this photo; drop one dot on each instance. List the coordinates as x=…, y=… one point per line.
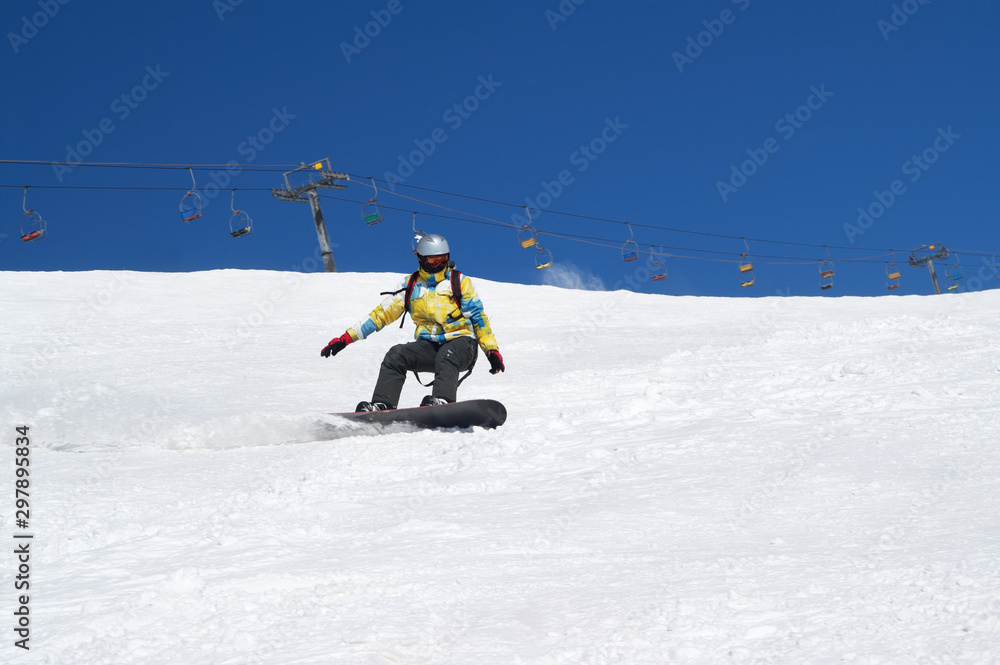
x=942, y=254
x=328, y=179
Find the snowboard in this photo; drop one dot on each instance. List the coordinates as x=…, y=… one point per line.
x=486, y=413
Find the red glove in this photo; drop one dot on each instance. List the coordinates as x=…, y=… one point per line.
x=496, y=361
x=336, y=345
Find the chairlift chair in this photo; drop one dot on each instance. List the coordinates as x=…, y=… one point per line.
x=190, y=205
x=240, y=223
x=543, y=258
x=371, y=212
x=826, y=272
x=746, y=266
x=526, y=236
x=954, y=273
x=746, y=270
x=825, y=275
x=417, y=234
x=32, y=224
x=658, y=269
x=630, y=250
x=892, y=276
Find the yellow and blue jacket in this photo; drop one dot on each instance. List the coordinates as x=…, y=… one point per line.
x=434, y=311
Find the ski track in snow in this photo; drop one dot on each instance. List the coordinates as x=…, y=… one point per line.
x=680, y=480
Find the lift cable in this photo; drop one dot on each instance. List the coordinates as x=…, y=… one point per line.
x=271, y=168
x=623, y=223
x=266, y=168
x=656, y=250
x=604, y=242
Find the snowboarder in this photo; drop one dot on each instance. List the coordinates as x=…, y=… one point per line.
x=450, y=321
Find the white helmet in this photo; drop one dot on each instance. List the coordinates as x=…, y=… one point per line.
x=436, y=246
x=432, y=245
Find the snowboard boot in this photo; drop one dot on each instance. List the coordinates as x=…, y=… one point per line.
x=372, y=406
x=430, y=400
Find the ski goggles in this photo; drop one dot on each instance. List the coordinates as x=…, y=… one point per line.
x=436, y=260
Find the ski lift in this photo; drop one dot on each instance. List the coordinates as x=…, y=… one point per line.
x=32, y=224
x=543, y=258
x=746, y=271
x=190, y=205
x=658, y=269
x=240, y=223
x=892, y=276
x=371, y=212
x=746, y=267
x=526, y=234
x=630, y=250
x=417, y=235
x=826, y=273
x=954, y=273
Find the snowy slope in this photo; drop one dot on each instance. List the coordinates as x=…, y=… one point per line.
x=680, y=480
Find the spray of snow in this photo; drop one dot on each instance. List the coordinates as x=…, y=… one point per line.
x=566, y=275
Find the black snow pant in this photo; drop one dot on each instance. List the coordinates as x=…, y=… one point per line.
x=445, y=360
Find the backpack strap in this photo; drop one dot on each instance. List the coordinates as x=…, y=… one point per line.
x=456, y=292
x=456, y=287
x=471, y=367
x=406, y=297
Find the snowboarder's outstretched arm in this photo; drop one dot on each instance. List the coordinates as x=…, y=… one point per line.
x=472, y=309
x=388, y=311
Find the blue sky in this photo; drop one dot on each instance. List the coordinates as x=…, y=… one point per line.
x=860, y=127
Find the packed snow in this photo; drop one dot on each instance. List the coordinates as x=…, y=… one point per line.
x=680, y=479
